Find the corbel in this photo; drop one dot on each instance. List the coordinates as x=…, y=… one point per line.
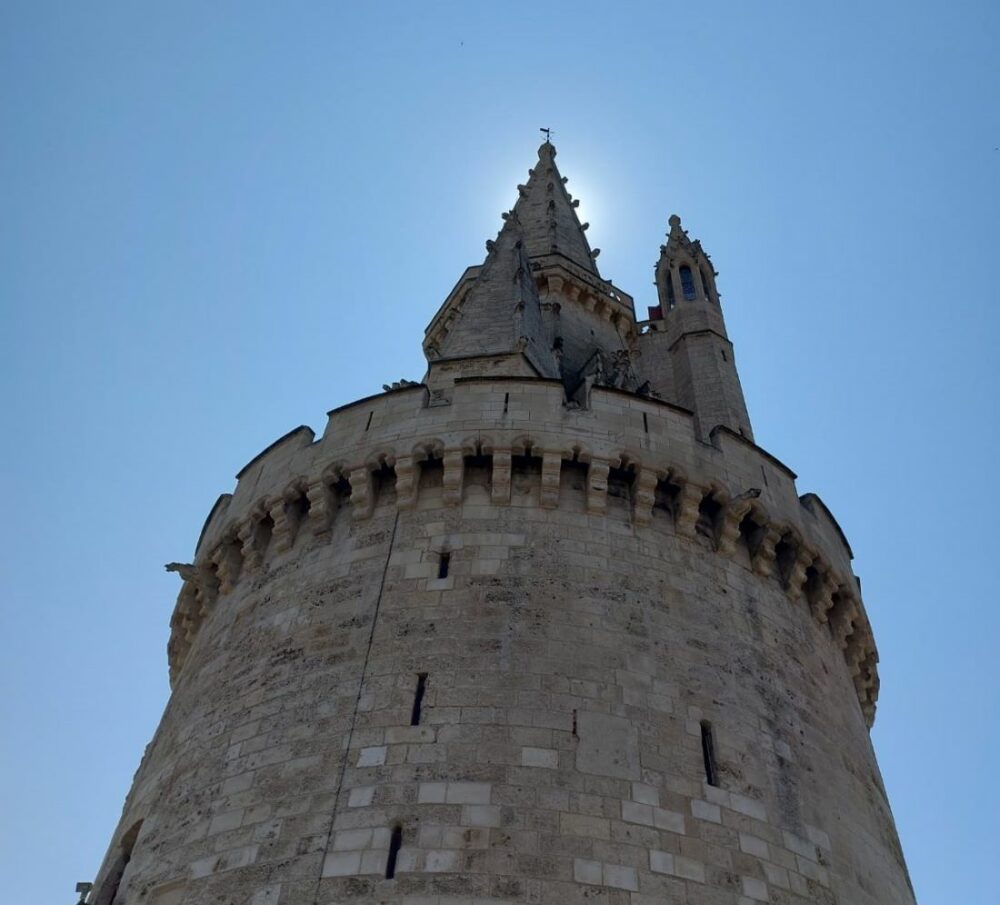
x=597, y=486
x=453, y=478
x=362, y=495
x=500, y=478
x=551, y=477
x=406, y=482
x=645, y=496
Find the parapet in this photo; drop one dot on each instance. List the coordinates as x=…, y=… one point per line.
x=729, y=496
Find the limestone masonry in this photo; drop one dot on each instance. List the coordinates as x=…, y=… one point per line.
x=548, y=627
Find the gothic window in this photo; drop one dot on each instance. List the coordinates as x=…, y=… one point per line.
x=706, y=284
x=687, y=282
x=671, y=298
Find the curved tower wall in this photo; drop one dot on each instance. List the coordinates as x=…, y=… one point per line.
x=613, y=583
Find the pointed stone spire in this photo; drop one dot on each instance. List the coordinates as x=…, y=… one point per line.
x=500, y=313
x=548, y=215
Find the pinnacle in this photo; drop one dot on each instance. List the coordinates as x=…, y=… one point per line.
x=547, y=213
x=677, y=236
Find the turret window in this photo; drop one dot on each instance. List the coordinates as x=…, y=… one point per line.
x=671, y=298
x=687, y=283
x=706, y=285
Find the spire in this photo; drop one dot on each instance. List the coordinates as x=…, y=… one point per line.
x=548, y=215
x=500, y=313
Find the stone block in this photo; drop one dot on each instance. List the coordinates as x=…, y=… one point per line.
x=341, y=864
x=442, y=861
x=705, y=811
x=668, y=820
x=661, y=862
x=755, y=889
x=361, y=797
x=228, y=820
x=584, y=825
x=609, y=746
x=689, y=869
x=545, y=758
x=645, y=794
x=619, y=876
x=753, y=846
x=372, y=757
x=468, y=793
x=481, y=815
x=589, y=872
x=633, y=812
x=432, y=792
x=748, y=806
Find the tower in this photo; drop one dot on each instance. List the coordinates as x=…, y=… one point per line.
x=688, y=322
x=547, y=627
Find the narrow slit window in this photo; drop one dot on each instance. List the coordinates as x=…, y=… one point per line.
x=645, y=423
x=444, y=561
x=708, y=754
x=368, y=423
x=418, y=699
x=395, y=844
x=506, y=399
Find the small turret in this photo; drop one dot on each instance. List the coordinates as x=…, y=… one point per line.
x=687, y=347
x=684, y=271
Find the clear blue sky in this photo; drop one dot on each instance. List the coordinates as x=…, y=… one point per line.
x=218, y=221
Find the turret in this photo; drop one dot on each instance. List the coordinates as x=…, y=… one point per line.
x=686, y=352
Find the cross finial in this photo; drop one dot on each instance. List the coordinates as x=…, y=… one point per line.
x=548, y=135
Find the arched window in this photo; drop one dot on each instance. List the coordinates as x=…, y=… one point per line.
x=706, y=285
x=687, y=282
x=671, y=298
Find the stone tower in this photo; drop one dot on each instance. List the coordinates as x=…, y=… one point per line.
x=547, y=627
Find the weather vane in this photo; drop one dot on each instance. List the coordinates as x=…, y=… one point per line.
x=548, y=135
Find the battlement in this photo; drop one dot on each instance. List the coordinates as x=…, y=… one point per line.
x=639, y=461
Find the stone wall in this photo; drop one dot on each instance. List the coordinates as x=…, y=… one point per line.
x=587, y=593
